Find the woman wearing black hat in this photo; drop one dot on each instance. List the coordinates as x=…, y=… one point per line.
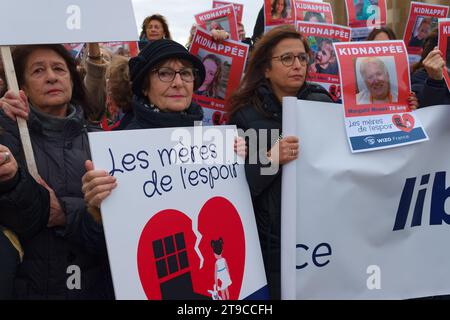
x=164, y=76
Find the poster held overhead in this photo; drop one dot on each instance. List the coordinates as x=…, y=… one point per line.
x=73, y=21
x=278, y=12
x=221, y=18
x=238, y=8
x=323, y=67
x=364, y=15
x=422, y=19
x=313, y=11
x=224, y=63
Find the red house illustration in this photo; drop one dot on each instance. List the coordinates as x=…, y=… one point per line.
x=174, y=263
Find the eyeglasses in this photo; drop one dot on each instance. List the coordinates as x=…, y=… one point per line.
x=288, y=59
x=168, y=74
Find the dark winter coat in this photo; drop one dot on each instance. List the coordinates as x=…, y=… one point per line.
x=429, y=92
x=50, y=253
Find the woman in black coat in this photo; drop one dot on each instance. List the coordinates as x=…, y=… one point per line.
x=277, y=68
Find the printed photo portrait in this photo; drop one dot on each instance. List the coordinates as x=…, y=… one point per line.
x=376, y=80
x=281, y=9
x=217, y=74
x=323, y=59
x=421, y=30
x=314, y=17
x=218, y=24
x=363, y=10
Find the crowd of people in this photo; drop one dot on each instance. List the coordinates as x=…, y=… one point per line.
x=52, y=222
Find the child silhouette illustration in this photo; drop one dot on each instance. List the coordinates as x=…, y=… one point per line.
x=221, y=271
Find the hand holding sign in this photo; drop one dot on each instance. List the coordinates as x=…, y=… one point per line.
x=434, y=64
x=97, y=185
x=284, y=151
x=15, y=105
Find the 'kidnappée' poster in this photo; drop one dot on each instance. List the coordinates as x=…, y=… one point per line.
x=180, y=224
x=238, y=8
x=221, y=18
x=364, y=15
x=278, y=12
x=444, y=46
x=423, y=18
x=312, y=11
x=224, y=64
x=323, y=66
x=376, y=86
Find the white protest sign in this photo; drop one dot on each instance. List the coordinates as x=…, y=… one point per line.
x=66, y=21
x=178, y=201
x=364, y=226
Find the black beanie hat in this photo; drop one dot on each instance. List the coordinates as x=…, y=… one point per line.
x=155, y=52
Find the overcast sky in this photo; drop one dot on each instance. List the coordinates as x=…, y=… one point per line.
x=180, y=14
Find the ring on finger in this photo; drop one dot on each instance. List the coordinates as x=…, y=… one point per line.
x=6, y=157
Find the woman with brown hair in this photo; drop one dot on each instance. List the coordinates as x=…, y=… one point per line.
x=277, y=68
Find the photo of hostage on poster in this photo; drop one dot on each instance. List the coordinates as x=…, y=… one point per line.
x=313, y=11
x=364, y=15
x=222, y=18
x=224, y=64
x=376, y=95
x=422, y=19
x=444, y=46
x=238, y=8
x=323, y=66
x=278, y=12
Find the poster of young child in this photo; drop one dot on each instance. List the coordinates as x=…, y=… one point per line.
x=323, y=66
x=313, y=12
x=364, y=15
x=222, y=18
x=180, y=224
x=376, y=86
x=278, y=12
x=224, y=64
x=444, y=46
x=238, y=8
x=422, y=19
